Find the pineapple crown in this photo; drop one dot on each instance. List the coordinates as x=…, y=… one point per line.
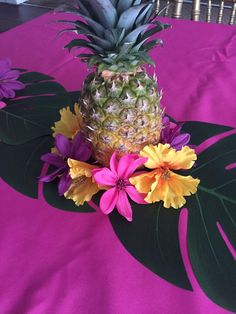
x=116, y=32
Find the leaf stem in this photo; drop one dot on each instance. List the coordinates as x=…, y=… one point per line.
x=218, y=195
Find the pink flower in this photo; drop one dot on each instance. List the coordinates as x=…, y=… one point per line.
x=2, y=104
x=117, y=180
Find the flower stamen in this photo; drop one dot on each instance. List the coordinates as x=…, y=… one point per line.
x=121, y=184
x=166, y=174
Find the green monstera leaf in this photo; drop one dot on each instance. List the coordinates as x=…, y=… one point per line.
x=152, y=237
x=21, y=166
x=25, y=129
x=211, y=211
x=25, y=135
x=34, y=109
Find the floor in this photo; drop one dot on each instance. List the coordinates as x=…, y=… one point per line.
x=13, y=15
x=45, y=3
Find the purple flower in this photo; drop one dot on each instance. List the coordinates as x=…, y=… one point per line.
x=170, y=134
x=8, y=80
x=78, y=149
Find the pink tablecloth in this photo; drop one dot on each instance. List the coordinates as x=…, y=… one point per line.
x=68, y=263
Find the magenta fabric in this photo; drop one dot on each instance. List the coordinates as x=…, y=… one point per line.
x=68, y=263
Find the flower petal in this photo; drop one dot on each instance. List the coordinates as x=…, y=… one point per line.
x=135, y=195
x=163, y=155
x=135, y=165
x=173, y=190
x=79, y=168
x=165, y=121
x=155, y=155
x=64, y=183
x=14, y=85
x=70, y=123
x=105, y=177
x=52, y=176
x=114, y=163
x=63, y=145
x=128, y=164
x=182, y=159
x=7, y=92
x=11, y=75
x=82, y=191
x=165, y=132
x=5, y=66
x=123, y=165
x=81, y=150
x=108, y=200
x=54, y=160
x=144, y=181
x=180, y=141
x=123, y=206
x=2, y=104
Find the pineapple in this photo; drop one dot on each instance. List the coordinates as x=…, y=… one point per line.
x=120, y=102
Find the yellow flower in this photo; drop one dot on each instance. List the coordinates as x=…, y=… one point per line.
x=70, y=123
x=83, y=186
x=162, y=183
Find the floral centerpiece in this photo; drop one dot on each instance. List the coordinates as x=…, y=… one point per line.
x=145, y=178
x=111, y=148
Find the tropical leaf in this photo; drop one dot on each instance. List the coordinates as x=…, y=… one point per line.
x=152, y=237
x=203, y=131
x=214, y=265
x=129, y=16
x=34, y=110
x=82, y=43
x=21, y=166
x=123, y=5
x=105, y=12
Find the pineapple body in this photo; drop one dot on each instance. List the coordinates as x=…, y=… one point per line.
x=121, y=113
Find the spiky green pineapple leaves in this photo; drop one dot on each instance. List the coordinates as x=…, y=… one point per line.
x=118, y=37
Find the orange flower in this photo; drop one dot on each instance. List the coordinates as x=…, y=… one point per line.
x=70, y=123
x=83, y=186
x=162, y=183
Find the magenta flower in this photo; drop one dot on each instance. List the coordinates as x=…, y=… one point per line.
x=78, y=149
x=117, y=179
x=2, y=104
x=8, y=80
x=171, y=134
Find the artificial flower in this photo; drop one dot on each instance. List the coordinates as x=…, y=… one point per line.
x=116, y=179
x=83, y=187
x=8, y=80
x=70, y=123
x=171, y=134
x=78, y=149
x=162, y=183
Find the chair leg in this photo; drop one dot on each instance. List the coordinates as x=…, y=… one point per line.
x=209, y=11
x=177, y=11
x=157, y=6
x=220, y=15
x=167, y=8
x=232, y=17
x=196, y=10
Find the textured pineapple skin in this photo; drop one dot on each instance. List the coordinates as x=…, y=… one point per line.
x=121, y=113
